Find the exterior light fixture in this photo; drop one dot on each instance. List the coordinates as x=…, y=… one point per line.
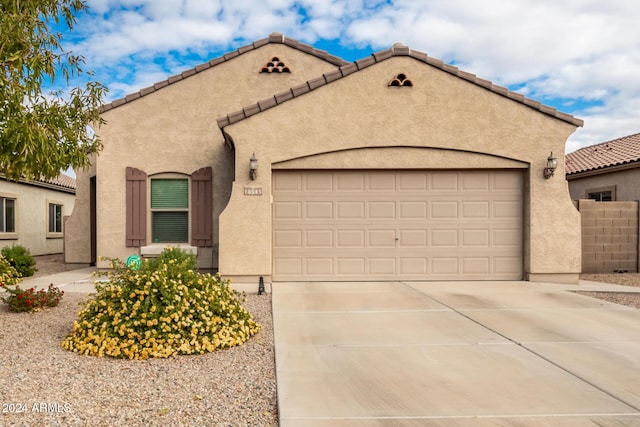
x=253, y=167
x=552, y=164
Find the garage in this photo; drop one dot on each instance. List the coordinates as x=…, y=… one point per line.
x=397, y=225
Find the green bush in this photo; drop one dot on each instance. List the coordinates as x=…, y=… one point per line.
x=20, y=258
x=162, y=309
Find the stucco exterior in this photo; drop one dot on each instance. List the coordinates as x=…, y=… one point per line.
x=32, y=201
x=622, y=182
x=356, y=121
x=439, y=112
x=174, y=131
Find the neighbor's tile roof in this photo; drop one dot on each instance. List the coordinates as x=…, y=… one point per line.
x=273, y=38
x=61, y=180
x=398, y=49
x=611, y=153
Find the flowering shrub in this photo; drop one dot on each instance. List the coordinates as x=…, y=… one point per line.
x=160, y=310
x=9, y=276
x=20, y=300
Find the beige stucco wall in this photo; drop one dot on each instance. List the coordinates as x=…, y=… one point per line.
x=625, y=182
x=439, y=111
x=174, y=129
x=32, y=226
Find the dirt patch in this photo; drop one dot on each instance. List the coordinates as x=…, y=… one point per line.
x=50, y=264
x=630, y=299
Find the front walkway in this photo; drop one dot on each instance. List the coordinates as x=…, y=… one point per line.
x=454, y=354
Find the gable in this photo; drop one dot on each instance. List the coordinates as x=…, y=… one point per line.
x=400, y=79
x=364, y=109
x=274, y=39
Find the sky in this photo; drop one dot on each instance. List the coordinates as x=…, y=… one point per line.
x=581, y=57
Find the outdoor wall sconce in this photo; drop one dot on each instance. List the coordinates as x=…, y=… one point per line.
x=253, y=167
x=552, y=164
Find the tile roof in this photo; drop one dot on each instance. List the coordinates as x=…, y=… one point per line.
x=61, y=180
x=603, y=155
x=398, y=49
x=273, y=38
x=61, y=183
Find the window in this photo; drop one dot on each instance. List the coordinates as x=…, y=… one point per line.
x=602, y=194
x=7, y=215
x=169, y=210
x=55, y=218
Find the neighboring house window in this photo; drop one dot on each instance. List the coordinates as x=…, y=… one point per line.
x=55, y=218
x=7, y=215
x=602, y=194
x=169, y=210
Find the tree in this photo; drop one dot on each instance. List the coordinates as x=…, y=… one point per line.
x=43, y=133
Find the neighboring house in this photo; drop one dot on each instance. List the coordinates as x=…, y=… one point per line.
x=609, y=171
x=32, y=213
x=394, y=167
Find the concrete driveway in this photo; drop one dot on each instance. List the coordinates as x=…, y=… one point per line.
x=454, y=354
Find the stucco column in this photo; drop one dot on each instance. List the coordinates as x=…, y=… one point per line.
x=245, y=224
x=555, y=237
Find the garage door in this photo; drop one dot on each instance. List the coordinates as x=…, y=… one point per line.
x=397, y=225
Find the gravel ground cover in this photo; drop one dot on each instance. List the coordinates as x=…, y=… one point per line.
x=53, y=387
x=41, y=384
x=631, y=298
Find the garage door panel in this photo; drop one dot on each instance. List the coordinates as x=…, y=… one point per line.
x=413, y=210
x=319, y=266
x=444, y=181
x=382, y=266
x=288, y=239
x=350, y=239
x=382, y=210
x=319, y=210
x=382, y=238
x=354, y=267
x=475, y=181
x=446, y=238
x=475, y=210
x=350, y=210
x=476, y=265
x=319, y=239
x=397, y=225
x=413, y=238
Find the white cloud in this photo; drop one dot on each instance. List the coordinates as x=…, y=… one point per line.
x=576, y=50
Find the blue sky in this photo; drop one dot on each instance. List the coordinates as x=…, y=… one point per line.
x=579, y=56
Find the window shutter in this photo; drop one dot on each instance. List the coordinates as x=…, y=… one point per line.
x=202, y=208
x=136, y=234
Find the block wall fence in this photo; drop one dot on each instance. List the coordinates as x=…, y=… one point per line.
x=609, y=236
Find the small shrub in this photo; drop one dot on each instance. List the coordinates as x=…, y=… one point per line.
x=9, y=276
x=20, y=300
x=20, y=258
x=160, y=310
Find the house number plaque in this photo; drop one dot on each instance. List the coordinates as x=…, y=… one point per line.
x=253, y=191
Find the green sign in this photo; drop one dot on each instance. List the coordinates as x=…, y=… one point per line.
x=133, y=262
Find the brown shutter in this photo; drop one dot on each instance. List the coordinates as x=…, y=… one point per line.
x=136, y=208
x=201, y=208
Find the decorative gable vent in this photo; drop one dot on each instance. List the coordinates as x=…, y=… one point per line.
x=400, y=80
x=275, y=66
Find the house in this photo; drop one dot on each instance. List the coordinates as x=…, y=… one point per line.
x=609, y=171
x=282, y=161
x=32, y=213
